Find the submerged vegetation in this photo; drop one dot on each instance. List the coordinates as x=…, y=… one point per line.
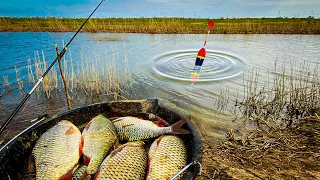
x=279, y=25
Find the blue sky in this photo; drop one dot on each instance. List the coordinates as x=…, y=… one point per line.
x=156, y=8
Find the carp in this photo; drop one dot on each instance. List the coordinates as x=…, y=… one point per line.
x=57, y=152
x=129, y=161
x=167, y=156
x=99, y=137
x=133, y=129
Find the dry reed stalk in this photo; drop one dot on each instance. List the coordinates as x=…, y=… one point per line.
x=19, y=81
x=30, y=73
x=6, y=84
x=62, y=78
x=290, y=97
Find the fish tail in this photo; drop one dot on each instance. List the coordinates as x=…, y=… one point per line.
x=176, y=127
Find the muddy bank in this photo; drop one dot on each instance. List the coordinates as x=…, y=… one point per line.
x=292, y=153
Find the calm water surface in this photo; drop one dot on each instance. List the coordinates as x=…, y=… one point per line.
x=160, y=67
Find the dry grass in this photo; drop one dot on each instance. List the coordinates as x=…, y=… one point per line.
x=6, y=84
x=288, y=92
x=91, y=78
x=292, y=153
x=109, y=38
x=284, y=108
x=280, y=25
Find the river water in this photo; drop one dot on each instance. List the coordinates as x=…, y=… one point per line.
x=160, y=66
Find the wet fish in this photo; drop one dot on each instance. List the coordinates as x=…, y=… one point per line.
x=133, y=128
x=167, y=155
x=56, y=152
x=129, y=161
x=99, y=137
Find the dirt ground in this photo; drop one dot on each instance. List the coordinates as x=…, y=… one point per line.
x=291, y=153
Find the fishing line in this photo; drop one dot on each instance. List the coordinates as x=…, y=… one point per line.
x=59, y=56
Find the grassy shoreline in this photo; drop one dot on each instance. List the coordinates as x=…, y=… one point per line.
x=164, y=25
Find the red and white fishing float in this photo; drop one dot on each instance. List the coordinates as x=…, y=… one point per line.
x=200, y=57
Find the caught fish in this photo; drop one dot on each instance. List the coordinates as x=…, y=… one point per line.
x=167, y=155
x=80, y=173
x=133, y=129
x=99, y=136
x=129, y=161
x=57, y=152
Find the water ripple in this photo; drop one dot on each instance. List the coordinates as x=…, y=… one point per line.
x=217, y=65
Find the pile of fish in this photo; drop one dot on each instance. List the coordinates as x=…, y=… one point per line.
x=63, y=152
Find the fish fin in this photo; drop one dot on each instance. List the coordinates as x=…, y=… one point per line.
x=158, y=140
x=88, y=125
x=70, y=131
x=149, y=160
x=67, y=176
x=176, y=127
x=113, y=153
x=97, y=174
x=118, y=119
x=85, y=176
x=116, y=143
x=86, y=160
x=31, y=164
x=81, y=146
x=159, y=123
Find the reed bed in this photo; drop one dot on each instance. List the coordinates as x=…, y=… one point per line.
x=160, y=25
x=292, y=94
x=97, y=78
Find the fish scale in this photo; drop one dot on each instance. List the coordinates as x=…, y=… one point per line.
x=57, y=151
x=167, y=156
x=79, y=173
x=127, y=162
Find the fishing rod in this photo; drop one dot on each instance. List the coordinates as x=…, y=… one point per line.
x=59, y=56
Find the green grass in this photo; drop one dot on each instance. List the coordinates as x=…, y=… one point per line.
x=165, y=25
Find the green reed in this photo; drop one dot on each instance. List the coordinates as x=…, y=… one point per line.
x=171, y=25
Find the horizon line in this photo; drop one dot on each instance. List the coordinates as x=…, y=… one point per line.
x=142, y=17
